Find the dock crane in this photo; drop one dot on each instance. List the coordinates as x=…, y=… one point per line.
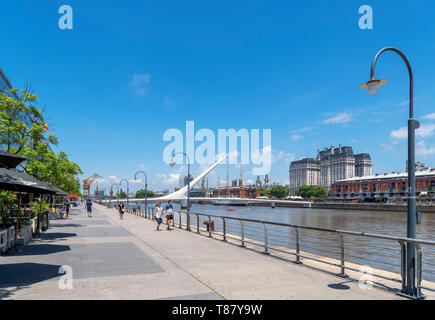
x=87, y=184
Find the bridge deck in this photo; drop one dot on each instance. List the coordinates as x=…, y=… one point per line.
x=128, y=259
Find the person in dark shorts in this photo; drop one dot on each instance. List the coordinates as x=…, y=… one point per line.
x=158, y=214
x=89, y=207
x=121, y=209
x=67, y=207
x=169, y=212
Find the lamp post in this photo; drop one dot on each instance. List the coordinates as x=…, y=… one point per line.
x=117, y=192
x=146, y=188
x=373, y=86
x=127, y=188
x=188, y=185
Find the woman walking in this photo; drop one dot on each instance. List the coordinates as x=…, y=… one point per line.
x=158, y=213
x=121, y=209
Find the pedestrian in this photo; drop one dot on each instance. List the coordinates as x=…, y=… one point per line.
x=169, y=212
x=158, y=213
x=121, y=209
x=89, y=207
x=67, y=206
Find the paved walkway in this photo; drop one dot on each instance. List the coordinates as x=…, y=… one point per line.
x=128, y=259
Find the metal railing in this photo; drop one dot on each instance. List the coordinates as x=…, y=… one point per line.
x=235, y=228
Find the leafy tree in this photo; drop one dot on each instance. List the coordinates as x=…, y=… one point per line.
x=140, y=194
x=22, y=132
x=311, y=191
x=6, y=202
x=263, y=192
x=122, y=195
x=278, y=192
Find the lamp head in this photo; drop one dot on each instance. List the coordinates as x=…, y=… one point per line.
x=172, y=164
x=373, y=85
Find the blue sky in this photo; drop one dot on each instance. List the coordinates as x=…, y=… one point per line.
x=129, y=70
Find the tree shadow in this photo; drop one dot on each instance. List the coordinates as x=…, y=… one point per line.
x=57, y=235
x=24, y=274
x=65, y=225
x=40, y=249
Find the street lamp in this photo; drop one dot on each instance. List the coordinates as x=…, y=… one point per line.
x=373, y=86
x=146, y=188
x=117, y=192
x=172, y=163
x=127, y=188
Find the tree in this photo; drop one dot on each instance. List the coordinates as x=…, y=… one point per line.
x=122, y=195
x=140, y=194
x=263, y=192
x=278, y=192
x=311, y=191
x=23, y=132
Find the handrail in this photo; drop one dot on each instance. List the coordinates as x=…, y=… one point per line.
x=349, y=232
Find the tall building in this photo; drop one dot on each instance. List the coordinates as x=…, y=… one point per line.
x=182, y=181
x=304, y=172
x=331, y=164
x=258, y=182
x=363, y=165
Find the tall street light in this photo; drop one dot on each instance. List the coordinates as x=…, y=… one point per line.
x=146, y=188
x=373, y=86
x=188, y=185
x=120, y=182
x=117, y=191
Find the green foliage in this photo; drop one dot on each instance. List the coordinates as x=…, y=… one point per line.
x=311, y=192
x=278, y=192
x=140, y=194
x=22, y=133
x=6, y=202
x=38, y=206
x=122, y=195
x=263, y=192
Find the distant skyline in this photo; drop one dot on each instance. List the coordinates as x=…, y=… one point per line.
x=130, y=70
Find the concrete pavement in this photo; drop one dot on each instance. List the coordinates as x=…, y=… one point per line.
x=128, y=259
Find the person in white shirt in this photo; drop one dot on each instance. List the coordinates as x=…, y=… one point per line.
x=169, y=212
x=158, y=214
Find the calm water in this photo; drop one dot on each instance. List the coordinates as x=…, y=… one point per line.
x=374, y=252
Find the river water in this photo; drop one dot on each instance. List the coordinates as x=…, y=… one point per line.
x=376, y=253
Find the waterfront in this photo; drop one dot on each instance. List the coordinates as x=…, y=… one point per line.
x=377, y=253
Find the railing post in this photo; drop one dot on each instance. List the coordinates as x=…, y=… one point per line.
x=242, y=233
x=298, y=260
x=266, y=241
x=403, y=264
x=224, y=229
x=197, y=223
x=419, y=268
x=209, y=226
x=342, y=268
x=187, y=221
x=179, y=215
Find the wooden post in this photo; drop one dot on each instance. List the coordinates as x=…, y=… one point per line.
x=18, y=219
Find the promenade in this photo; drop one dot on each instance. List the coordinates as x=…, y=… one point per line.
x=128, y=259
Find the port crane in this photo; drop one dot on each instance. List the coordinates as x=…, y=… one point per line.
x=87, y=184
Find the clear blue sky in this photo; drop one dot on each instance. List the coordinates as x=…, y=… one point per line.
x=131, y=69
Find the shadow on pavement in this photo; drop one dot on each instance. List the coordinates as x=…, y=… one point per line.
x=25, y=274
x=57, y=235
x=62, y=225
x=40, y=249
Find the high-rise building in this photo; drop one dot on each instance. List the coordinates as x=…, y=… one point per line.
x=331, y=164
x=182, y=181
x=304, y=172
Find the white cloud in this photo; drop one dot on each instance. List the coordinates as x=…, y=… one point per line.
x=342, y=117
x=423, y=150
x=296, y=137
x=430, y=116
x=425, y=130
x=170, y=179
x=139, y=83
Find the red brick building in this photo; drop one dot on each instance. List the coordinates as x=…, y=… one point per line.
x=387, y=186
x=242, y=192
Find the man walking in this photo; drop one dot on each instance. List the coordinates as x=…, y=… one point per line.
x=169, y=212
x=67, y=206
x=89, y=207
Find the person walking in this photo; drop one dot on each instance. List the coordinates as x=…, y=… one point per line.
x=158, y=213
x=67, y=207
x=169, y=212
x=89, y=208
x=121, y=209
